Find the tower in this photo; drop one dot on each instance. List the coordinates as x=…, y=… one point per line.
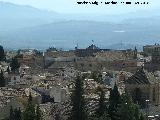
x=135, y=53
x=43, y=60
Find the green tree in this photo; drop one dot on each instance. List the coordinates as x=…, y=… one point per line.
x=11, y=115
x=2, y=54
x=137, y=113
x=142, y=117
x=103, y=117
x=101, y=106
x=2, y=79
x=38, y=113
x=14, y=64
x=29, y=113
x=30, y=98
x=128, y=110
x=8, y=69
x=17, y=114
x=78, y=111
x=114, y=102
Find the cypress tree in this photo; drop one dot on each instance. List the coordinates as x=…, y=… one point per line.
x=30, y=98
x=2, y=79
x=78, y=111
x=114, y=102
x=29, y=113
x=2, y=55
x=141, y=117
x=38, y=113
x=14, y=64
x=103, y=117
x=101, y=106
x=137, y=114
x=17, y=114
x=128, y=110
x=11, y=116
x=8, y=70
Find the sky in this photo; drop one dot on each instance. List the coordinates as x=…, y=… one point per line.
x=71, y=6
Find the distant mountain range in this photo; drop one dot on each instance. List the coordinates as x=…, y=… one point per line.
x=14, y=16
x=25, y=26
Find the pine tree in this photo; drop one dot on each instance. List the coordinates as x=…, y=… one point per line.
x=78, y=111
x=30, y=98
x=103, y=117
x=8, y=70
x=11, y=116
x=114, y=102
x=2, y=54
x=29, y=113
x=14, y=64
x=2, y=79
x=17, y=114
x=38, y=113
x=141, y=117
x=128, y=110
x=137, y=114
x=101, y=106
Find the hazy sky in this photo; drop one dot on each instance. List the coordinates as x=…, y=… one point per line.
x=71, y=6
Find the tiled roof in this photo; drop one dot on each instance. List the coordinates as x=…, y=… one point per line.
x=141, y=77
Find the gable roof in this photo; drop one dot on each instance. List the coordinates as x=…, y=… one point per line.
x=141, y=77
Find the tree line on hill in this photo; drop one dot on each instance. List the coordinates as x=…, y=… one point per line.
x=12, y=68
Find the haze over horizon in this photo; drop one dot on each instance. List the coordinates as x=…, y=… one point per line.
x=64, y=24
x=71, y=6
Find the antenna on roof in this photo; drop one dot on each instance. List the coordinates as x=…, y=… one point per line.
x=93, y=42
x=121, y=44
x=77, y=45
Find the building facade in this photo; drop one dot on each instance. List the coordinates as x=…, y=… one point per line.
x=143, y=86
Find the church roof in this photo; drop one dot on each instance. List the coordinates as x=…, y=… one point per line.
x=141, y=77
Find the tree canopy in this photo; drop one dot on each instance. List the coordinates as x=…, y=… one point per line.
x=78, y=111
x=14, y=64
x=2, y=79
x=2, y=54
